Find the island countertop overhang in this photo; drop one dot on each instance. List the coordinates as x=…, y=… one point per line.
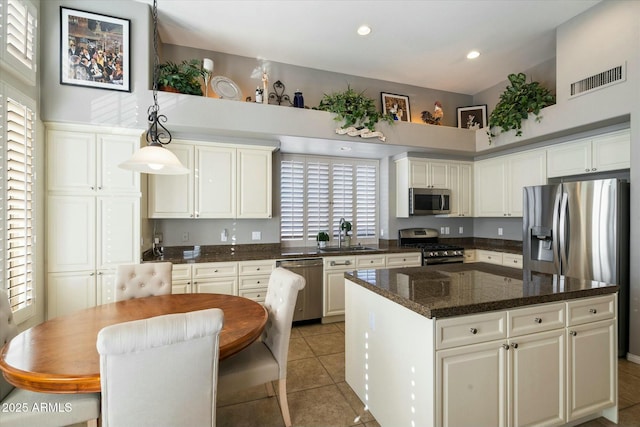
x=458, y=289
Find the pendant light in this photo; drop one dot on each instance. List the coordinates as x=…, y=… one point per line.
x=154, y=158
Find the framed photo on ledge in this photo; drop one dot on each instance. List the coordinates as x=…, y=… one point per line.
x=473, y=118
x=94, y=50
x=396, y=105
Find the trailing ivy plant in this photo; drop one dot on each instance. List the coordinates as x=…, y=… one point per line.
x=354, y=108
x=517, y=102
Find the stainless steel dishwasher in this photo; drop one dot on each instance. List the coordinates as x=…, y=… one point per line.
x=309, y=303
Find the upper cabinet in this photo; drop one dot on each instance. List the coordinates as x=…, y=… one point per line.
x=224, y=181
x=600, y=153
x=499, y=182
x=461, y=184
x=87, y=162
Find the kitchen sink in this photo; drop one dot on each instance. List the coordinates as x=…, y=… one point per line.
x=347, y=249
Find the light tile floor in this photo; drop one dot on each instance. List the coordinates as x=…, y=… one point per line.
x=319, y=396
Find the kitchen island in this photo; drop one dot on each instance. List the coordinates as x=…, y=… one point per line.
x=480, y=345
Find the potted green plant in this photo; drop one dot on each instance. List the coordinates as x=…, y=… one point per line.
x=322, y=238
x=516, y=103
x=183, y=77
x=354, y=108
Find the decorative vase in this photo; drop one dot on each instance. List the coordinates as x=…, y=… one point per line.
x=322, y=244
x=298, y=100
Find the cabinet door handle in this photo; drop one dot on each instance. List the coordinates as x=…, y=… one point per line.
x=473, y=331
x=505, y=346
x=333, y=263
x=514, y=345
x=537, y=320
x=573, y=333
x=586, y=170
x=258, y=282
x=593, y=311
x=593, y=170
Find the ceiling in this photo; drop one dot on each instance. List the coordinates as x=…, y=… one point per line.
x=421, y=42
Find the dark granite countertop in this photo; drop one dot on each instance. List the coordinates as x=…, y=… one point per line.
x=225, y=253
x=458, y=289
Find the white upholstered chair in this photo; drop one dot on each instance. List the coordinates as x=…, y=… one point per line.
x=23, y=408
x=142, y=280
x=265, y=360
x=161, y=371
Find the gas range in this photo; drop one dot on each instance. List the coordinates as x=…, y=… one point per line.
x=433, y=252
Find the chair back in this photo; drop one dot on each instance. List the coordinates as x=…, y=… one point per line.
x=142, y=280
x=8, y=330
x=161, y=371
x=280, y=302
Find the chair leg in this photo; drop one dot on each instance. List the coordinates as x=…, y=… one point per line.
x=270, y=391
x=284, y=405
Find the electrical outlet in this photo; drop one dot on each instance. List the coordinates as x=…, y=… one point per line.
x=499, y=231
x=446, y=230
x=460, y=230
x=224, y=236
x=185, y=236
x=441, y=230
x=256, y=235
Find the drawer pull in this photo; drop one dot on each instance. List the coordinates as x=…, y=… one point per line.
x=505, y=346
x=215, y=271
x=515, y=261
x=258, y=282
x=593, y=311
x=258, y=269
x=573, y=333
x=514, y=345
x=473, y=331
x=537, y=320
x=333, y=263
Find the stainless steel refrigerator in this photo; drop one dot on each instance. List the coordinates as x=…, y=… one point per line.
x=580, y=229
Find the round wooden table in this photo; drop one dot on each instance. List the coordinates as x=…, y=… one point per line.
x=60, y=355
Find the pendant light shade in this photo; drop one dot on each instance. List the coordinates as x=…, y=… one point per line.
x=154, y=158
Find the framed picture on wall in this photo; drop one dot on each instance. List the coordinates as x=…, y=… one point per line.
x=473, y=118
x=94, y=50
x=396, y=105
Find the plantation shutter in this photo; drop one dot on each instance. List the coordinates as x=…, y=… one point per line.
x=292, y=200
x=18, y=38
x=366, y=201
x=315, y=192
x=18, y=194
x=342, y=196
x=317, y=198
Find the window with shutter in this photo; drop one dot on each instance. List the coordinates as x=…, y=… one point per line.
x=18, y=38
x=316, y=192
x=17, y=192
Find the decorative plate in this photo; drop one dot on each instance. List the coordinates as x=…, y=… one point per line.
x=225, y=88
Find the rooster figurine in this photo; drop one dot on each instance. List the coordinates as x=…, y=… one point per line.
x=436, y=117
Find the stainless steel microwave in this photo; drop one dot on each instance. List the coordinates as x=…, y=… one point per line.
x=429, y=201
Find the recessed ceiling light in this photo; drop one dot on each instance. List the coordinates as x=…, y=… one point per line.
x=473, y=54
x=364, y=30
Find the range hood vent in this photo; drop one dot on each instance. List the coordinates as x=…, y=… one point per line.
x=598, y=81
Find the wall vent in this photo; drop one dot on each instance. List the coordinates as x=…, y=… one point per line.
x=599, y=81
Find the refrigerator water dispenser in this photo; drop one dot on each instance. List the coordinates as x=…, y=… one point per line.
x=541, y=243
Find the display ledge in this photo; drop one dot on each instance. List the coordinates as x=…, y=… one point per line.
x=196, y=116
x=459, y=289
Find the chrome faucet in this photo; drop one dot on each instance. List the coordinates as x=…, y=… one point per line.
x=342, y=221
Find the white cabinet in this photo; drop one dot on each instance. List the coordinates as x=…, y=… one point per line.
x=253, y=278
x=334, y=268
x=498, y=258
x=499, y=182
x=181, y=279
x=215, y=278
x=490, y=257
x=592, y=355
x=93, y=214
x=596, y=154
x=418, y=173
x=223, y=182
x=461, y=185
x=470, y=255
x=404, y=259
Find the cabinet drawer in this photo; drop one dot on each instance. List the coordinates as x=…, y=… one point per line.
x=512, y=260
x=256, y=267
x=489, y=257
x=586, y=310
x=181, y=288
x=340, y=263
x=227, y=286
x=469, y=255
x=256, y=295
x=411, y=259
x=180, y=272
x=215, y=269
x=474, y=329
x=534, y=319
x=370, y=261
x=252, y=282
